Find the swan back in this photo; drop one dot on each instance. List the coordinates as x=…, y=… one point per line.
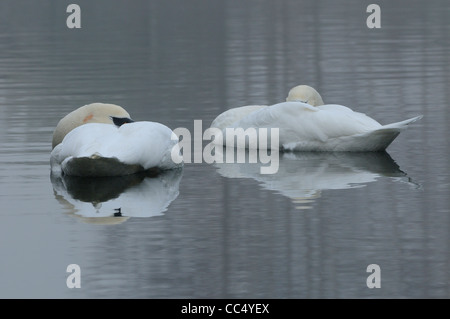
x=91, y=113
x=229, y=117
x=305, y=94
x=98, y=149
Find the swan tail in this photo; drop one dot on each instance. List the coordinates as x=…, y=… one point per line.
x=401, y=125
x=380, y=139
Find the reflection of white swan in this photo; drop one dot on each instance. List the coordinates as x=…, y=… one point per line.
x=302, y=176
x=115, y=199
x=305, y=124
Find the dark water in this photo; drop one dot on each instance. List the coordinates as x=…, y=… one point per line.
x=225, y=231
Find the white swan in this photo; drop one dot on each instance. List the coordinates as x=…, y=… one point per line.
x=94, y=141
x=306, y=124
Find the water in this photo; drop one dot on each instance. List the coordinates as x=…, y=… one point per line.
x=225, y=231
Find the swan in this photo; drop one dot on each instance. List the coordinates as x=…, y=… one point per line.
x=102, y=140
x=305, y=123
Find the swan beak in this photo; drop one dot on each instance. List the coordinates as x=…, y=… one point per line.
x=119, y=121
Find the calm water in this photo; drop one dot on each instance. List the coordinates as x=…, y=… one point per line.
x=225, y=231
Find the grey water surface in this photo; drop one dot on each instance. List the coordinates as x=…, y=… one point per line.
x=225, y=230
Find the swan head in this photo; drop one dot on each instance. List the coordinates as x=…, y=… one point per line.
x=91, y=113
x=305, y=94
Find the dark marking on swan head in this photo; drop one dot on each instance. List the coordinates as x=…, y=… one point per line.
x=119, y=121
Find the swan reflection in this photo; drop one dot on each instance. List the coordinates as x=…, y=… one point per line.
x=302, y=176
x=112, y=200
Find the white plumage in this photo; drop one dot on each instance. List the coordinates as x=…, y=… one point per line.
x=99, y=149
x=306, y=127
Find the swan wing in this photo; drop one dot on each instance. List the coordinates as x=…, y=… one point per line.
x=227, y=118
x=149, y=144
x=299, y=121
x=329, y=127
x=104, y=150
